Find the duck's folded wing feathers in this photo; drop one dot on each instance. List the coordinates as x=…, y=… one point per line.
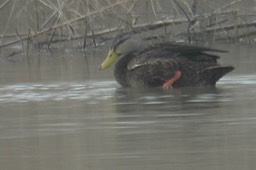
x=184, y=48
x=152, y=71
x=194, y=53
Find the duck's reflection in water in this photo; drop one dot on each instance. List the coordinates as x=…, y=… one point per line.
x=175, y=101
x=170, y=127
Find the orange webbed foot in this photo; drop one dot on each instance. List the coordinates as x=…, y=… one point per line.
x=168, y=84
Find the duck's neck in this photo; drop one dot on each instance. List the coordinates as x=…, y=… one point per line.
x=121, y=72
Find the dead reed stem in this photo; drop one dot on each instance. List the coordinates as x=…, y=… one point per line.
x=5, y=3
x=34, y=34
x=188, y=18
x=62, y=21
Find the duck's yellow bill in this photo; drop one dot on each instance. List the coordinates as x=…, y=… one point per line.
x=110, y=59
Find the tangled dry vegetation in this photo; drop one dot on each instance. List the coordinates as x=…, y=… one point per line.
x=52, y=23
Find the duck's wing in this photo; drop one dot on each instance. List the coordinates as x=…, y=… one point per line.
x=164, y=53
x=184, y=48
x=152, y=68
x=194, y=53
x=154, y=58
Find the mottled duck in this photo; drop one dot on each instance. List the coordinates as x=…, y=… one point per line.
x=166, y=65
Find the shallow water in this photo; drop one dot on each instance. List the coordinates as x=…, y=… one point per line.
x=59, y=112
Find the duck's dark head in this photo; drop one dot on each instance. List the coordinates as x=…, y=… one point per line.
x=121, y=45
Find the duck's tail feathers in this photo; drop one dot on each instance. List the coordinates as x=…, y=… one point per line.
x=214, y=73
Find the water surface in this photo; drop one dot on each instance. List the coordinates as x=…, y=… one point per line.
x=59, y=112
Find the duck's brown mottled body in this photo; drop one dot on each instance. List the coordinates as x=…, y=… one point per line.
x=165, y=64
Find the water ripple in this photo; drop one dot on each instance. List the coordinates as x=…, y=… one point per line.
x=237, y=80
x=95, y=91
x=56, y=91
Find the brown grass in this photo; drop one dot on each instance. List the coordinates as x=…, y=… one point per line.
x=44, y=23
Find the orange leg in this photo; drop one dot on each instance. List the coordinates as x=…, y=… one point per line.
x=168, y=84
